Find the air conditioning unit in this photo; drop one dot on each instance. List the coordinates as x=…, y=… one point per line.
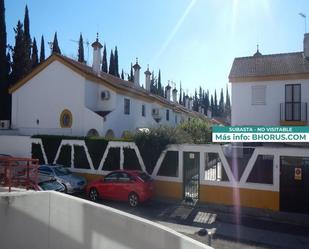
x=105, y=95
x=4, y=124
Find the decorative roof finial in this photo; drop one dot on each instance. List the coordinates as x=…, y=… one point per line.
x=97, y=36
x=257, y=51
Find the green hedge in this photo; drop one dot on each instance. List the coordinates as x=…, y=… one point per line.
x=37, y=153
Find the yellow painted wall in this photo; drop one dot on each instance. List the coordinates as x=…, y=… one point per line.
x=166, y=189
x=247, y=197
x=214, y=194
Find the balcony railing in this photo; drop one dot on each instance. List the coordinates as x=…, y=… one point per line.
x=293, y=111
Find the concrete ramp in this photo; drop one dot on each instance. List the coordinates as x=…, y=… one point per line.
x=51, y=220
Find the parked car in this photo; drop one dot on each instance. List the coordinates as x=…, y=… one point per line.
x=122, y=185
x=49, y=183
x=71, y=182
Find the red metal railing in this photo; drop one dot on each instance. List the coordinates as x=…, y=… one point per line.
x=19, y=172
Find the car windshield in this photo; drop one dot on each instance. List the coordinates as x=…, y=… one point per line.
x=145, y=177
x=50, y=185
x=61, y=171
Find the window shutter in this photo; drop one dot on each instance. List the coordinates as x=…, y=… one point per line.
x=258, y=95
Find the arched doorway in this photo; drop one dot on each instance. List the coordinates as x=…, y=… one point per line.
x=110, y=134
x=93, y=133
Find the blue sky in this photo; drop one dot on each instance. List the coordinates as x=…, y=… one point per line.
x=192, y=41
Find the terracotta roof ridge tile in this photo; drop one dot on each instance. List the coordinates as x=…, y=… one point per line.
x=268, y=55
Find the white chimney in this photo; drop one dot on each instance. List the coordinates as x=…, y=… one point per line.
x=187, y=101
x=136, y=68
x=174, y=93
x=190, y=103
x=147, y=79
x=306, y=45
x=168, y=92
x=209, y=114
x=96, y=55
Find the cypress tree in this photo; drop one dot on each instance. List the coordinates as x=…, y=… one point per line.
x=8, y=63
x=104, y=60
x=116, y=72
x=180, y=95
x=215, y=104
x=153, y=87
x=56, y=48
x=227, y=103
x=195, y=102
x=5, y=104
x=221, y=104
x=160, y=89
x=81, y=57
x=111, y=69
x=19, y=55
x=27, y=41
x=34, y=55
x=206, y=102
x=122, y=74
x=42, y=52
x=131, y=74
x=212, y=106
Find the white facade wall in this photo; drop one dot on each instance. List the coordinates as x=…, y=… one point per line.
x=244, y=113
x=120, y=122
x=44, y=97
x=17, y=146
x=57, y=88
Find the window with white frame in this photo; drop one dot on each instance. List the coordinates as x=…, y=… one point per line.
x=258, y=95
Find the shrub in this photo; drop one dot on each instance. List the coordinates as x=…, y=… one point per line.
x=199, y=130
x=151, y=143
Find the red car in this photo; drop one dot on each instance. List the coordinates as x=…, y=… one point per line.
x=123, y=185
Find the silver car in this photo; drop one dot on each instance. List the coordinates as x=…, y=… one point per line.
x=49, y=183
x=72, y=183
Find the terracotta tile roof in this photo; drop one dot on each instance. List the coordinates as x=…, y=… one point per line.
x=269, y=65
x=128, y=86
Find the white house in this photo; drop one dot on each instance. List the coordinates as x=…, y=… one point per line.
x=271, y=89
x=63, y=96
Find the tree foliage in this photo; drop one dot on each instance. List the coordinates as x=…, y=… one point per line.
x=198, y=130
x=34, y=55
x=81, y=56
x=19, y=64
x=4, y=68
x=104, y=60
x=42, y=51
x=116, y=65
x=56, y=48
x=111, y=69
x=27, y=41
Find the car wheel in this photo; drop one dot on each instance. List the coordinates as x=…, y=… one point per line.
x=65, y=188
x=93, y=194
x=133, y=200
